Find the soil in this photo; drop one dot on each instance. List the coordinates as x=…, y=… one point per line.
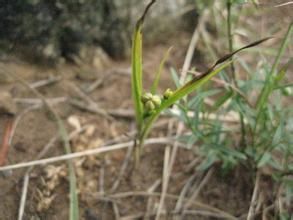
x=37, y=127
x=48, y=189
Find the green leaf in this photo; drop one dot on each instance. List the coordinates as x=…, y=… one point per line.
x=221, y=100
x=283, y=71
x=136, y=76
x=175, y=77
x=180, y=93
x=267, y=89
x=159, y=71
x=266, y=157
x=194, y=102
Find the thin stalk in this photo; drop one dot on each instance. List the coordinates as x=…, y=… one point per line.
x=268, y=88
x=230, y=38
x=265, y=92
x=232, y=68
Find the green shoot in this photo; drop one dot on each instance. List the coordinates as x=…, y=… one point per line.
x=158, y=73
x=148, y=106
x=267, y=89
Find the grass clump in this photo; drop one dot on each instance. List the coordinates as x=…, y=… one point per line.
x=149, y=105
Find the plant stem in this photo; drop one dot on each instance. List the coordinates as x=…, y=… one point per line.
x=266, y=89
x=232, y=68
x=230, y=38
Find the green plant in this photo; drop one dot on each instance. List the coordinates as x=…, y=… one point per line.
x=264, y=135
x=148, y=106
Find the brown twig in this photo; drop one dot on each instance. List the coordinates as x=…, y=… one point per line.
x=93, y=151
x=150, y=199
x=5, y=141
x=251, y=212
x=165, y=178
x=184, y=191
x=198, y=189
x=45, y=82
x=123, y=169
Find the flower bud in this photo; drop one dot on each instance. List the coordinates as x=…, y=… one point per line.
x=146, y=97
x=168, y=93
x=150, y=106
x=156, y=100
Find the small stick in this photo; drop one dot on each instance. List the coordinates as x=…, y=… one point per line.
x=36, y=101
x=5, y=141
x=169, y=196
x=116, y=210
x=184, y=191
x=251, y=212
x=45, y=82
x=165, y=179
x=23, y=196
x=98, y=150
x=95, y=85
x=284, y=4
x=125, y=113
x=150, y=200
x=90, y=108
x=123, y=168
x=198, y=189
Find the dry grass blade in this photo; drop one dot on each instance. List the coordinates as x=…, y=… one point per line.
x=23, y=196
x=198, y=189
x=98, y=150
x=5, y=141
x=165, y=178
x=150, y=202
x=204, y=206
x=183, y=193
x=251, y=212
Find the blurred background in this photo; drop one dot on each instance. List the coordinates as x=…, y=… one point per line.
x=66, y=29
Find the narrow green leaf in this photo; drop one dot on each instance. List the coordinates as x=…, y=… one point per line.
x=221, y=100
x=175, y=77
x=73, y=197
x=191, y=86
x=159, y=71
x=178, y=94
x=283, y=71
x=266, y=157
x=136, y=61
x=136, y=76
x=267, y=89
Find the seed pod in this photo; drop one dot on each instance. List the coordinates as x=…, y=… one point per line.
x=146, y=97
x=156, y=100
x=168, y=93
x=149, y=106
